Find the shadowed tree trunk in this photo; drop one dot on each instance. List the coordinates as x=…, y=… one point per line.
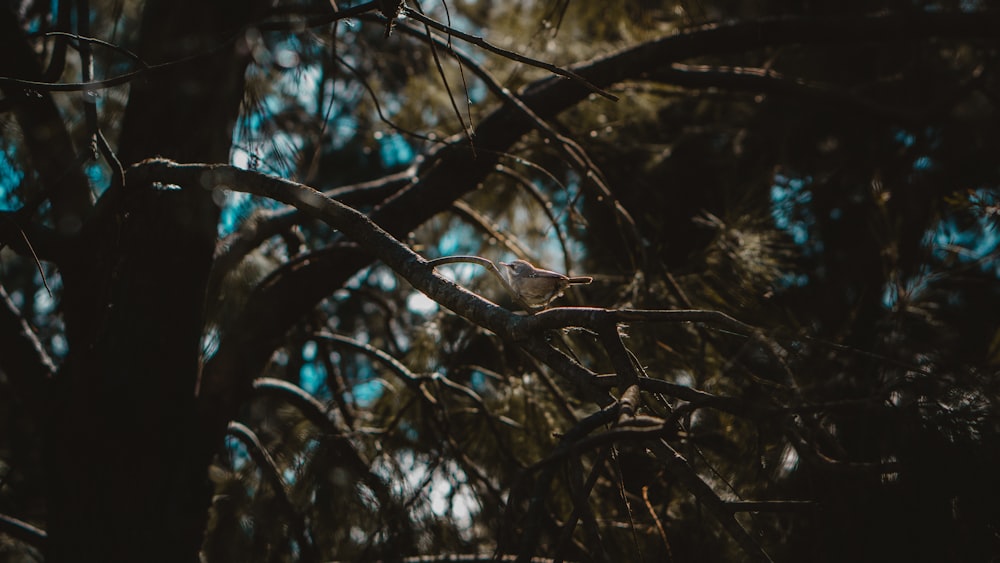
x=127, y=481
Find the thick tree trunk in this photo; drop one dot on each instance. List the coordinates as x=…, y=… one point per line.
x=126, y=461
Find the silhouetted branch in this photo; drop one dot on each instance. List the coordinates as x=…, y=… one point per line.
x=772, y=505
x=484, y=44
x=45, y=133
x=578, y=157
x=678, y=468
x=766, y=81
x=95, y=41
x=22, y=357
x=314, y=411
x=412, y=380
x=563, y=317
x=23, y=531
x=531, y=526
x=346, y=454
x=269, y=469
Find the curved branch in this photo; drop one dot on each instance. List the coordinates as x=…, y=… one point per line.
x=259, y=228
x=314, y=411
x=352, y=223
x=486, y=226
x=545, y=204
x=37, y=241
x=269, y=468
x=45, y=133
x=411, y=379
x=95, y=41
x=346, y=454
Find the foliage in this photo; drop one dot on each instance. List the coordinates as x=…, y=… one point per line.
x=825, y=175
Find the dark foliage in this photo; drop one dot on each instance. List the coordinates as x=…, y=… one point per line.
x=789, y=351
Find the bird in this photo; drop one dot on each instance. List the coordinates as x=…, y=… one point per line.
x=535, y=286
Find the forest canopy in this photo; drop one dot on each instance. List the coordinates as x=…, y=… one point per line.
x=254, y=307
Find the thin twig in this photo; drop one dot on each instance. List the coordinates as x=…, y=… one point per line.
x=93, y=40
x=31, y=250
x=659, y=525
x=467, y=129
x=514, y=56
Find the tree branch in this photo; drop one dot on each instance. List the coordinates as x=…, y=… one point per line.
x=22, y=356
x=31, y=239
x=23, y=531
x=679, y=469
x=269, y=469
x=484, y=44
x=45, y=133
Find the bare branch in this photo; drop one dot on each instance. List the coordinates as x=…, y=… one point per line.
x=23, y=531
x=95, y=41
x=45, y=133
x=679, y=469
x=346, y=454
x=482, y=43
x=269, y=469
x=578, y=157
x=22, y=356
x=562, y=317
x=412, y=380
x=758, y=80
x=309, y=406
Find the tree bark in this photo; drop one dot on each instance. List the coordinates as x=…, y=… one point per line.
x=127, y=468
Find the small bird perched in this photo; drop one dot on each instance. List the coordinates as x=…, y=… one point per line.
x=535, y=286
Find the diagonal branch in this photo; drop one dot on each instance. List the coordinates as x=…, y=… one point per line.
x=346, y=453
x=22, y=357
x=352, y=223
x=679, y=469
x=514, y=56
x=269, y=468
x=23, y=531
